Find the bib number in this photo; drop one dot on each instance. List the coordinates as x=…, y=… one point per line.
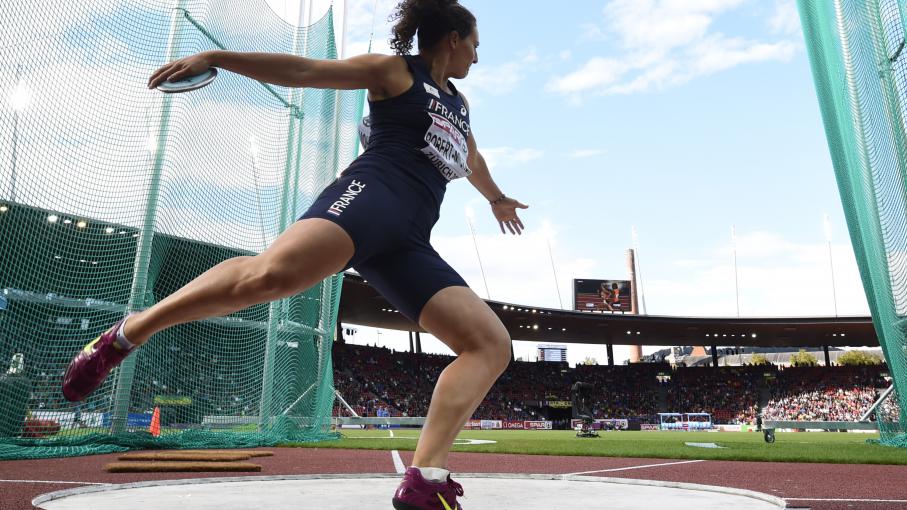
x=447, y=148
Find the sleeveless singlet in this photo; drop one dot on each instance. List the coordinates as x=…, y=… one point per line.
x=389, y=198
x=421, y=134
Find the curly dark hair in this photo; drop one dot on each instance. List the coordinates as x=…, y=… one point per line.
x=430, y=20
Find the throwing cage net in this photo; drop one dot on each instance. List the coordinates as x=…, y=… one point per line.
x=859, y=63
x=113, y=196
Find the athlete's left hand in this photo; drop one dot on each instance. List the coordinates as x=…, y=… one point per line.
x=505, y=212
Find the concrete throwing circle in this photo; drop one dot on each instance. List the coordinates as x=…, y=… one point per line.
x=372, y=492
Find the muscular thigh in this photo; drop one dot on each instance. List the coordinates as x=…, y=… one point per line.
x=307, y=252
x=463, y=321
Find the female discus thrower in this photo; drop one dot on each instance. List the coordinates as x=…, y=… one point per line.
x=376, y=217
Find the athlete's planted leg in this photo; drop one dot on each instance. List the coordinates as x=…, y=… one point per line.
x=460, y=319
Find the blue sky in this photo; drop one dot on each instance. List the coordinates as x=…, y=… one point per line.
x=683, y=118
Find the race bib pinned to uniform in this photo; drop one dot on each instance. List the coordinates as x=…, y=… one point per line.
x=446, y=139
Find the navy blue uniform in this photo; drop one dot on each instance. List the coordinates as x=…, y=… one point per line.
x=389, y=198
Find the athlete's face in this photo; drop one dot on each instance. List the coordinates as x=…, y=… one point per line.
x=465, y=53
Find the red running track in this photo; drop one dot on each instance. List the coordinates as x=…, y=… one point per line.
x=814, y=486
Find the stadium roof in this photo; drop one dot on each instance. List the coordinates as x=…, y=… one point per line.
x=361, y=304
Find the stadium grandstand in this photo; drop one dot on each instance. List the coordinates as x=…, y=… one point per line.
x=371, y=378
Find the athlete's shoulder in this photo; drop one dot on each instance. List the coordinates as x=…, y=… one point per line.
x=388, y=74
x=378, y=61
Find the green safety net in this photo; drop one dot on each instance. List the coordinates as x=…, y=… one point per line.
x=113, y=196
x=859, y=63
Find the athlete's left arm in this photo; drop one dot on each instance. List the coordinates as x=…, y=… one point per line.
x=503, y=207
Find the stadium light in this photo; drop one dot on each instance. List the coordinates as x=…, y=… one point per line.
x=108, y=230
x=67, y=221
x=4, y=208
x=53, y=218
x=81, y=224
x=535, y=326
x=20, y=97
x=253, y=147
x=754, y=335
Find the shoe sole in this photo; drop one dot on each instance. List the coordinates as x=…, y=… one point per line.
x=399, y=505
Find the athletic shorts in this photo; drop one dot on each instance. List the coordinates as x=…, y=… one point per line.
x=390, y=224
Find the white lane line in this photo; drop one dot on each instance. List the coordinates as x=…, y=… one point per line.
x=51, y=481
x=850, y=500
x=395, y=456
x=631, y=467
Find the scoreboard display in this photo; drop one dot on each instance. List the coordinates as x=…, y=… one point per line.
x=602, y=296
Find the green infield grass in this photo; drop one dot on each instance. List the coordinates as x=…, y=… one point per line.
x=831, y=447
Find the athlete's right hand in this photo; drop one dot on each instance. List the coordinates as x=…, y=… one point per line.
x=182, y=68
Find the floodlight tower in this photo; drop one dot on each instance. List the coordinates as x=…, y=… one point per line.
x=18, y=102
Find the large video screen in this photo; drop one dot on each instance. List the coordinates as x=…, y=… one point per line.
x=602, y=296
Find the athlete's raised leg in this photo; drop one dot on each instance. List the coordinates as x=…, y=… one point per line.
x=303, y=255
x=306, y=253
x=460, y=319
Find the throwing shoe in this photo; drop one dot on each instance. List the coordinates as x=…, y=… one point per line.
x=417, y=493
x=91, y=365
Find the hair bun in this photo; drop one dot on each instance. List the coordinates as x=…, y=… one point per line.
x=430, y=19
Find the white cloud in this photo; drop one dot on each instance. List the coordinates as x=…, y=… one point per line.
x=665, y=43
x=776, y=277
x=785, y=18
x=660, y=25
x=508, y=157
x=498, y=79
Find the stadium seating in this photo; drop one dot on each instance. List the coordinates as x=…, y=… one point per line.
x=369, y=377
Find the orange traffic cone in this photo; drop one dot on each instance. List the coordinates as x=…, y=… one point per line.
x=155, y=427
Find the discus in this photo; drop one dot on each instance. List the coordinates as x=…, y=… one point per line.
x=191, y=83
